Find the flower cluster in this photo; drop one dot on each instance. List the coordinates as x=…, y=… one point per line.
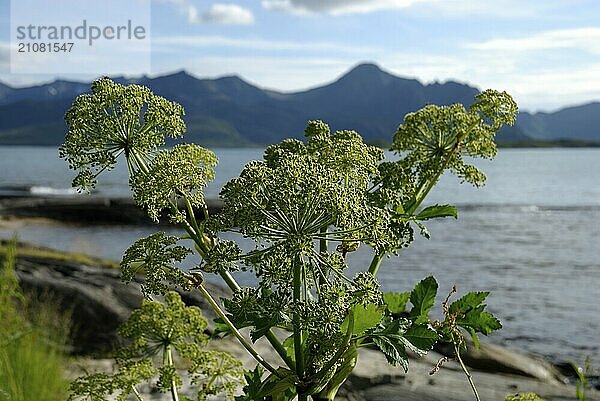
x=116, y=119
x=441, y=135
x=173, y=174
x=156, y=256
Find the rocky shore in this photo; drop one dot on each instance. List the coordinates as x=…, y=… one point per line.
x=92, y=209
x=99, y=302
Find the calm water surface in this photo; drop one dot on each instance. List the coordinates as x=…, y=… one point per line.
x=531, y=236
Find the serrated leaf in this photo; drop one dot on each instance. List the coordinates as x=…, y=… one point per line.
x=436, y=211
x=394, y=351
x=482, y=322
x=422, y=337
x=469, y=301
x=471, y=316
x=423, y=297
x=395, y=302
x=365, y=318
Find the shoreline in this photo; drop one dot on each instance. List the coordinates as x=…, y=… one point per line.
x=83, y=209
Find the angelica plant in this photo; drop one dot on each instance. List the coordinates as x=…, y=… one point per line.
x=307, y=207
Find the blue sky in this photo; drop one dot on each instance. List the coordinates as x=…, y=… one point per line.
x=545, y=53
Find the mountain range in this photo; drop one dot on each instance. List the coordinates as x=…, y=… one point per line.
x=229, y=111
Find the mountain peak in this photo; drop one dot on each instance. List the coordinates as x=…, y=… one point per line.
x=366, y=69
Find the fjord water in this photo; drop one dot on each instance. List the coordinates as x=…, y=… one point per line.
x=531, y=236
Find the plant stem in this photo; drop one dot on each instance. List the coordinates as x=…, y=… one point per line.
x=298, y=351
x=136, y=393
x=169, y=362
x=425, y=187
x=280, y=350
x=229, y=280
x=467, y=373
x=236, y=332
x=323, y=248
x=190, y=211
x=376, y=262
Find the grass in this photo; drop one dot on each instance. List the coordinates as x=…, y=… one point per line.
x=36, y=253
x=32, y=339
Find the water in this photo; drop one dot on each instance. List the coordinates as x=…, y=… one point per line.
x=530, y=236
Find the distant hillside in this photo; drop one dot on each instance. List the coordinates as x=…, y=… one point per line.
x=229, y=111
x=572, y=123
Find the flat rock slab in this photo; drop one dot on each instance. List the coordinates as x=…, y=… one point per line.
x=375, y=380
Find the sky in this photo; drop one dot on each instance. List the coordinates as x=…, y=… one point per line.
x=546, y=53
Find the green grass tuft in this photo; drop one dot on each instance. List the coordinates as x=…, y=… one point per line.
x=32, y=340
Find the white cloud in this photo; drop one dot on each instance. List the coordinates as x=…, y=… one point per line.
x=336, y=7
x=218, y=13
x=585, y=38
x=228, y=14
x=507, y=9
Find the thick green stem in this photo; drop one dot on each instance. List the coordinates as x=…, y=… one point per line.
x=191, y=214
x=376, y=262
x=229, y=280
x=298, y=340
x=280, y=350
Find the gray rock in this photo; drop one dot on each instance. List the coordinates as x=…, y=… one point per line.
x=497, y=359
x=96, y=298
x=448, y=384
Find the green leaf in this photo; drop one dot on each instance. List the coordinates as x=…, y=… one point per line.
x=253, y=385
x=422, y=297
x=482, y=322
x=436, y=211
x=393, y=349
x=395, y=302
x=471, y=316
x=469, y=301
x=365, y=317
x=422, y=337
